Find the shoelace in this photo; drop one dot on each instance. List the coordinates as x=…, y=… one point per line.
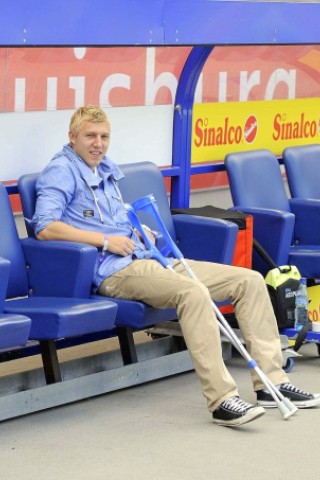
x=236, y=404
x=291, y=388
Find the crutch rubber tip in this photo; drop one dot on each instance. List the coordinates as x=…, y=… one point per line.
x=285, y=412
x=291, y=406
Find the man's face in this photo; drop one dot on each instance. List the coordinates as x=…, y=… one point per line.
x=91, y=143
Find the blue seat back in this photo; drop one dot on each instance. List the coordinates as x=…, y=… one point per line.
x=142, y=179
x=27, y=189
x=256, y=181
x=11, y=249
x=303, y=170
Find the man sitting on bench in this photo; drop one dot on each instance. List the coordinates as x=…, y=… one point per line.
x=78, y=200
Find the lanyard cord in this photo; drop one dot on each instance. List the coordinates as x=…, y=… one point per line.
x=117, y=189
x=97, y=202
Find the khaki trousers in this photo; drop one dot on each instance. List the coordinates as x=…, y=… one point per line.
x=148, y=281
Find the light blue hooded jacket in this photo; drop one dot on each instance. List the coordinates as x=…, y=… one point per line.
x=69, y=191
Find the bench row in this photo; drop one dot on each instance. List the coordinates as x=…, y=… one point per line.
x=49, y=282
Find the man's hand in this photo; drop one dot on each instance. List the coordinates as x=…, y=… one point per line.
x=121, y=245
x=149, y=233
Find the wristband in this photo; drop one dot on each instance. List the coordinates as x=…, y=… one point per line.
x=104, y=248
x=105, y=244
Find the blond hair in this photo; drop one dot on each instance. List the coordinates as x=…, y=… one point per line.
x=88, y=113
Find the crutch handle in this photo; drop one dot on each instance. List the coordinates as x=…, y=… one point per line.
x=153, y=251
x=149, y=205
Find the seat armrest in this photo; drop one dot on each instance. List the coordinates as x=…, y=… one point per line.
x=307, y=225
x=59, y=268
x=4, y=277
x=29, y=228
x=202, y=238
x=273, y=229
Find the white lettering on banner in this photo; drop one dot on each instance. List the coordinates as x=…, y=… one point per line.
x=78, y=84
x=117, y=80
x=247, y=83
x=281, y=76
x=20, y=95
x=52, y=90
x=222, y=95
x=165, y=79
x=153, y=85
x=79, y=52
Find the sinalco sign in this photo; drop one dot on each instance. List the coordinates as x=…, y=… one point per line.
x=220, y=128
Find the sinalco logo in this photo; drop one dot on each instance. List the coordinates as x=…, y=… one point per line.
x=250, y=128
x=302, y=127
x=227, y=133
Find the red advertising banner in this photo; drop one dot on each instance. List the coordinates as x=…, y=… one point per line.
x=40, y=79
x=43, y=79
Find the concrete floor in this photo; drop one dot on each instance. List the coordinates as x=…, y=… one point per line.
x=161, y=430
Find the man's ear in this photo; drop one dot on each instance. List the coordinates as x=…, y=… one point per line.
x=71, y=137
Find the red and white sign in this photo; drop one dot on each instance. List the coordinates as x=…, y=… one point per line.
x=250, y=128
x=48, y=79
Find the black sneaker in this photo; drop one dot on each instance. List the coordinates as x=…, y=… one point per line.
x=300, y=398
x=234, y=411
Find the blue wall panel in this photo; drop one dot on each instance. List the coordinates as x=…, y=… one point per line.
x=157, y=22
x=203, y=22
x=81, y=22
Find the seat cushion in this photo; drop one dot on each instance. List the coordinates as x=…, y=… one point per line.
x=307, y=259
x=14, y=330
x=138, y=315
x=53, y=318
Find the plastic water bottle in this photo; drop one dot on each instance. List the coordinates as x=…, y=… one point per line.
x=301, y=307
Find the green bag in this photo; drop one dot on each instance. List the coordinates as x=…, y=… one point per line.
x=283, y=283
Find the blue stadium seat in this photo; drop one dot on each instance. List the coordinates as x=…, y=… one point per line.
x=302, y=164
x=284, y=227
x=14, y=329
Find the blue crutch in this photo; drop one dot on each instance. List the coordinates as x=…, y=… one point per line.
x=149, y=205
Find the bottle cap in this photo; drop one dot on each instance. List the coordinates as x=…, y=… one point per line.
x=316, y=326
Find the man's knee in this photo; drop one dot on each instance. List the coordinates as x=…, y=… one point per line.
x=195, y=291
x=254, y=275
x=255, y=280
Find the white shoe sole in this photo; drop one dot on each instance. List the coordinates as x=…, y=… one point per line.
x=314, y=402
x=253, y=414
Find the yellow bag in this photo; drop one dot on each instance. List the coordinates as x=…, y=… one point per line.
x=283, y=283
